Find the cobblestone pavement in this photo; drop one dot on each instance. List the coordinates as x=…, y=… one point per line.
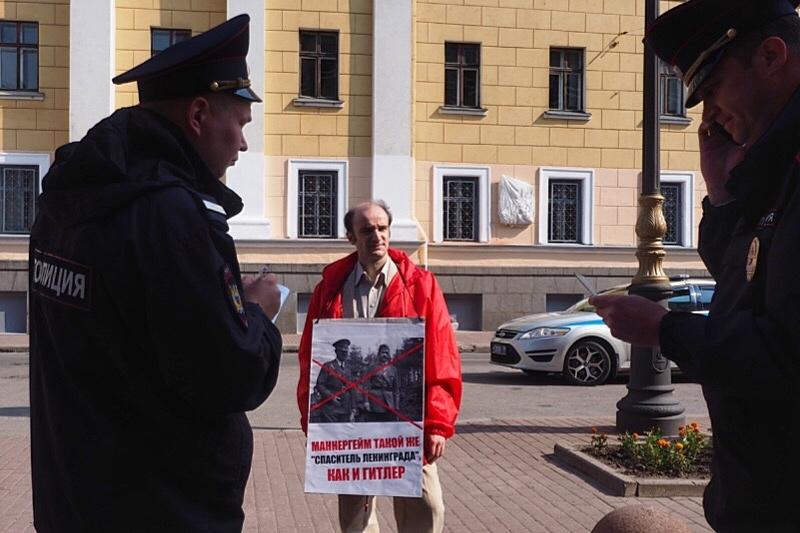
x=498, y=475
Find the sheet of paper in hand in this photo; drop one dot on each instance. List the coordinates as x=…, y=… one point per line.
x=366, y=404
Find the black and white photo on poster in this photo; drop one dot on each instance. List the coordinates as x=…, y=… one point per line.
x=366, y=407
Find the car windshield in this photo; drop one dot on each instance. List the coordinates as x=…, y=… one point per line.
x=706, y=293
x=681, y=299
x=583, y=305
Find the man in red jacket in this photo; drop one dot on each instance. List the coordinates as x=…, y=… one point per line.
x=376, y=281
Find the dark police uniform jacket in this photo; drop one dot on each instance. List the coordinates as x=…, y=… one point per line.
x=746, y=353
x=143, y=353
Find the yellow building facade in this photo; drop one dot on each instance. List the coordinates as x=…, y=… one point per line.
x=505, y=135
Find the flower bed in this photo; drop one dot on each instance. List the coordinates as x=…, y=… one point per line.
x=652, y=455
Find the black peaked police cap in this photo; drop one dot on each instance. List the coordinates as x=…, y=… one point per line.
x=213, y=61
x=692, y=36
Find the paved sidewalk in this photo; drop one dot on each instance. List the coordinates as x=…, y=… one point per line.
x=498, y=475
x=13, y=342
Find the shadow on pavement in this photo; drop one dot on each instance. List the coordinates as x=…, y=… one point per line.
x=470, y=428
x=511, y=378
x=22, y=412
x=518, y=377
x=553, y=460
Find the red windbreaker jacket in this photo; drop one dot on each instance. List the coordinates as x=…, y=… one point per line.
x=412, y=292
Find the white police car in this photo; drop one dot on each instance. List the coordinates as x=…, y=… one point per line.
x=576, y=342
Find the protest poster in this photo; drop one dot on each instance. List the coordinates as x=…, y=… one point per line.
x=366, y=398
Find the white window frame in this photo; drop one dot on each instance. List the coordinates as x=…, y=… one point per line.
x=484, y=198
x=686, y=181
x=293, y=174
x=586, y=178
x=42, y=160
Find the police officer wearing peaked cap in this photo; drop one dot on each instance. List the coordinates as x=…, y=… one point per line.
x=741, y=59
x=694, y=36
x=147, y=343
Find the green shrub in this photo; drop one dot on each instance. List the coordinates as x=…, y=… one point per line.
x=653, y=453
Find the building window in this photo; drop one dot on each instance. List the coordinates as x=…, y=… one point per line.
x=672, y=98
x=19, y=187
x=461, y=204
x=316, y=205
x=462, y=75
x=564, y=221
x=307, y=194
x=163, y=38
x=566, y=79
x=673, y=208
x=319, y=64
x=460, y=208
x=554, y=302
x=19, y=56
x=677, y=188
x=565, y=206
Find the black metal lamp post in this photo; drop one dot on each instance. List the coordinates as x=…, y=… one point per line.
x=650, y=402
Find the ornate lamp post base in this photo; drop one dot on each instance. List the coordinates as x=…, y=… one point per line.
x=650, y=402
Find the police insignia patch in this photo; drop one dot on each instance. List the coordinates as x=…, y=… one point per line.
x=62, y=280
x=768, y=220
x=233, y=293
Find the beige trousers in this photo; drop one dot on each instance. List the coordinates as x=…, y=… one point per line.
x=413, y=515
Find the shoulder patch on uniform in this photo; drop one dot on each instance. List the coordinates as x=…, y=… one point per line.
x=211, y=206
x=62, y=280
x=233, y=293
x=769, y=220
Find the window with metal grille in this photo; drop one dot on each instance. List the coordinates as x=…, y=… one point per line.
x=319, y=64
x=19, y=187
x=566, y=79
x=462, y=75
x=316, y=205
x=19, y=56
x=460, y=197
x=673, y=209
x=163, y=38
x=672, y=103
x=564, y=211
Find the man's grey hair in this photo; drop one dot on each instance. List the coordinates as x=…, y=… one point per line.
x=348, y=217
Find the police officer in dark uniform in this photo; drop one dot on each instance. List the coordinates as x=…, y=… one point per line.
x=333, y=377
x=741, y=58
x=147, y=345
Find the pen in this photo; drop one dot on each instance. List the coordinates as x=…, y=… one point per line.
x=585, y=282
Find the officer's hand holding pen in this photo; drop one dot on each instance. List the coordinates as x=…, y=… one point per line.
x=262, y=289
x=631, y=319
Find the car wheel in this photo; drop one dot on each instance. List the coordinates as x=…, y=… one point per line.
x=588, y=363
